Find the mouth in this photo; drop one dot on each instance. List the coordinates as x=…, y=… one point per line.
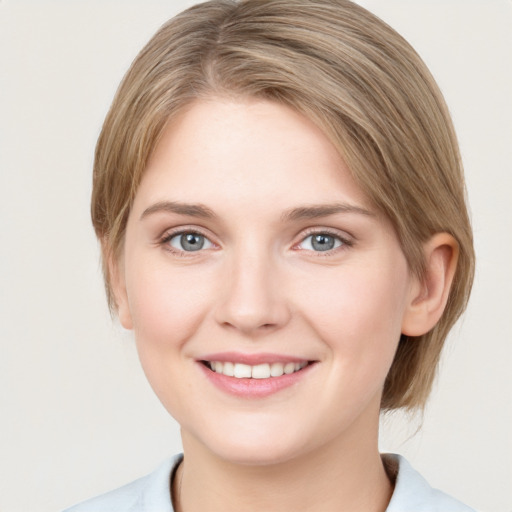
x=260, y=379
x=258, y=371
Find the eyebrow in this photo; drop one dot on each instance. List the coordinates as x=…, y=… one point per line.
x=300, y=213
x=323, y=210
x=189, y=209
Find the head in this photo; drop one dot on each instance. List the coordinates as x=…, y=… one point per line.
x=351, y=75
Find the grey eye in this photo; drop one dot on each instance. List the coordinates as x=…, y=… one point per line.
x=320, y=242
x=190, y=242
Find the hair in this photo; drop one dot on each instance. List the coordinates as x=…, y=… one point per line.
x=347, y=71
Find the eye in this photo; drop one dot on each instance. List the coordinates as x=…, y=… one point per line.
x=189, y=241
x=321, y=242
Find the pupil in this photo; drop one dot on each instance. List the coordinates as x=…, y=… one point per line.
x=192, y=242
x=322, y=242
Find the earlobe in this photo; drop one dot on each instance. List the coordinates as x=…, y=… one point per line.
x=428, y=298
x=118, y=286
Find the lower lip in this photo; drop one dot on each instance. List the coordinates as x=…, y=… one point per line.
x=254, y=388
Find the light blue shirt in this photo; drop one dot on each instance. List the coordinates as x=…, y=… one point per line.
x=152, y=493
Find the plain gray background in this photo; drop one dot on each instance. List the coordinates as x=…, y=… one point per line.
x=77, y=416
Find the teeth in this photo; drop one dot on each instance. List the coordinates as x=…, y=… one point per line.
x=289, y=368
x=227, y=369
x=241, y=370
x=276, y=369
x=259, y=371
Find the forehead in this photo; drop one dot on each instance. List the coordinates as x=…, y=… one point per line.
x=246, y=152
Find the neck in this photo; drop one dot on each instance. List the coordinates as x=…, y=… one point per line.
x=343, y=475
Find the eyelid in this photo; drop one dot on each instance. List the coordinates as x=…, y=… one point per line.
x=168, y=234
x=346, y=239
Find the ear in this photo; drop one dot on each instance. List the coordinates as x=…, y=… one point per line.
x=428, y=297
x=117, y=278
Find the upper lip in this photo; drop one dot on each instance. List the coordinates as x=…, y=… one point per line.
x=252, y=359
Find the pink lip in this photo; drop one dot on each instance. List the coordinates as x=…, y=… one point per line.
x=251, y=359
x=253, y=388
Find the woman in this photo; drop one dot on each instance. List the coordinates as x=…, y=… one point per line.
x=280, y=203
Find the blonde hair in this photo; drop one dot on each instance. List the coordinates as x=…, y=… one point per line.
x=350, y=73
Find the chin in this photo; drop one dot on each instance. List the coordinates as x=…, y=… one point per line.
x=257, y=454
x=254, y=445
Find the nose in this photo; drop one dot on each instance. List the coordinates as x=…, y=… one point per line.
x=253, y=299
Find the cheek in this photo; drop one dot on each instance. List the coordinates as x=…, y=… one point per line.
x=358, y=311
x=166, y=304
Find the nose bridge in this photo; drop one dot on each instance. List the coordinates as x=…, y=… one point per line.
x=254, y=298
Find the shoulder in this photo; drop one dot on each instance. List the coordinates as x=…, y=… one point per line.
x=150, y=493
x=413, y=492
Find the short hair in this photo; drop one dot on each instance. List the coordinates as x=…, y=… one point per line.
x=348, y=72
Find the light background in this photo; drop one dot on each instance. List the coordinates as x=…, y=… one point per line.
x=77, y=416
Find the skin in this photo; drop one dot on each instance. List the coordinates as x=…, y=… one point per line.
x=259, y=286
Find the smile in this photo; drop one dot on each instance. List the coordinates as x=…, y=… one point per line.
x=258, y=371
x=254, y=376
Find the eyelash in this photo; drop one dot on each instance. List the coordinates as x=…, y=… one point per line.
x=346, y=242
x=169, y=235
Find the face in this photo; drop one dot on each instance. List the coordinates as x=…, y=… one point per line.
x=266, y=294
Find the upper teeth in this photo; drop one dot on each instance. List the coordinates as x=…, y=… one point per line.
x=259, y=371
